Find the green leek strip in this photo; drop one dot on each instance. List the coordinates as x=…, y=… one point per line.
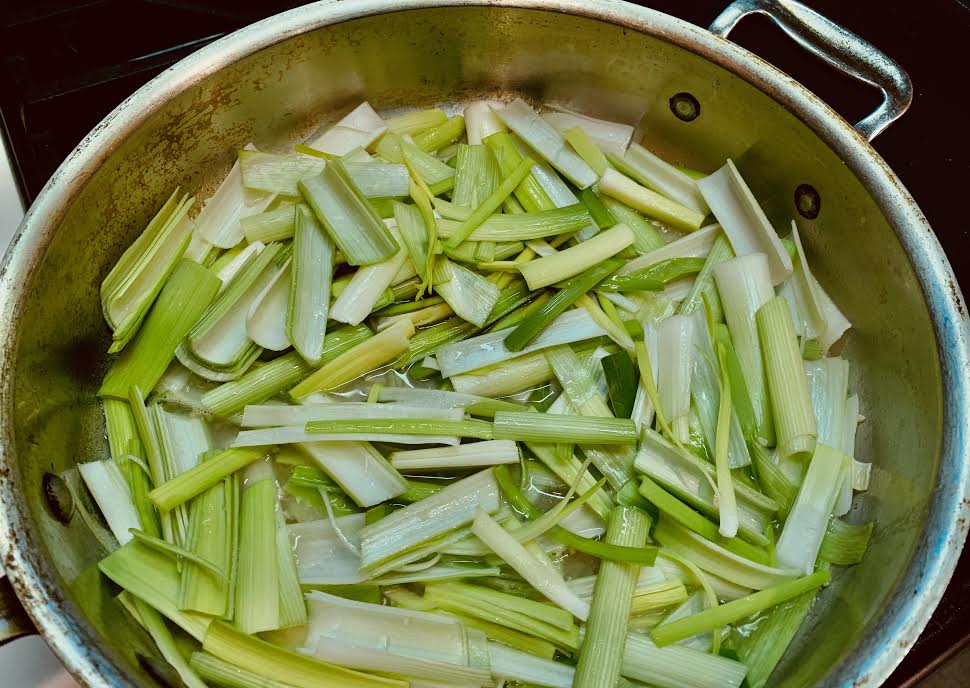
x=718, y=560
x=740, y=399
x=695, y=521
x=530, y=192
x=434, y=173
x=162, y=635
x=275, y=377
x=195, y=481
x=601, y=653
x=621, y=382
x=704, y=288
x=428, y=340
x=773, y=480
x=791, y=403
x=508, y=636
x=348, y=216
x=310, y=277
x=736, y=610
x=763, y=648
x=570, y=262
x=530, y=328
x=415, y=122
x=587, y=149
x=440, y=135
x=597, y=210
x=367, y=356
x=136, y=279
x=220, y=673
x=845, y=544
x=293, y=669
x=654, y=277
x=405, y=307
x=543, y=427
x=152, y=576
x=470, y=295
x=477, y=175
x=647, y=237
x=257, y=579
x=292, y=607
x=478, y=429
x=185, y=296
x=276, y=173
x=414, y=232
x=153, y=454
x=541, y=611
x=523, y=226
x=272, y=225
x=124, y=443
x=213, y=519
x=652, y=204
x=177, y=552
x=491, y=203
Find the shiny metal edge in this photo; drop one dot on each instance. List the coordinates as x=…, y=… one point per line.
x=878, y=652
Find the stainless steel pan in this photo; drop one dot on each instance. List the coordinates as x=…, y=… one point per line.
x=695, y=95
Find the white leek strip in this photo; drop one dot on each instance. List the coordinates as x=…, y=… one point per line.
x=399, y=538
x=524, y=226
x=678, y=667
x=601, y=654
x=744, y=286
x=648, y=202
x=743, y=220
x=514, y=665
x=570, y=262
x=368, y=284
x=292, y=434
x=219, y=339
x=378, y=179
x=364, y=358
x=218, y=222
x=612, y=137
x=827, y=321
x=440, y=399
x=583, y=521
x=540, y=574
x=857, y=477
x=266, y=320
x=277, y=173
x=675, y=353
x=648, y=577
x=231, y=268
x=718, y=560
x=722, y=589
x=322, y=555
x=488, y=349
x=656, y=173
x=643, y=410
x=620, y=300
x=199, y=249
x=474, y=455
x=728, y=509
x=416, y=121
x=828, y=385
x=542, y=248
x=481, y=120
x=694, y=245
x=805, y=526
x=393, y=640
x=519, y=374
x=691, y=479
x=706, y=394
x=136, y=279
x=791, y=402
x=358, y=469
x=548, y=142
x=357, y=129
x=257, y=416
x=470, y=295
x=110, y=490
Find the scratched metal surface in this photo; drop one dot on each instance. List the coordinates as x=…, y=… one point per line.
x=282, y=78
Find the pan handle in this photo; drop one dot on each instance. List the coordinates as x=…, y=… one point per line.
x=839, y=47
x=14, y=621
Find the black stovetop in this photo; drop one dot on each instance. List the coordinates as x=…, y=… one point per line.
x=64, y=64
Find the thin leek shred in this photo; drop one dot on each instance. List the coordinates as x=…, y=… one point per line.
x=601, y=654
x=139, y=275
x=185, y=296
x=704, y=289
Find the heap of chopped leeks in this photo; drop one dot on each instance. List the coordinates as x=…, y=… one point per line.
x=493, y=398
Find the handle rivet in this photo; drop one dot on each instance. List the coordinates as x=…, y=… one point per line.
x=807, y=201
x=685, y=107
x=58, y=497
